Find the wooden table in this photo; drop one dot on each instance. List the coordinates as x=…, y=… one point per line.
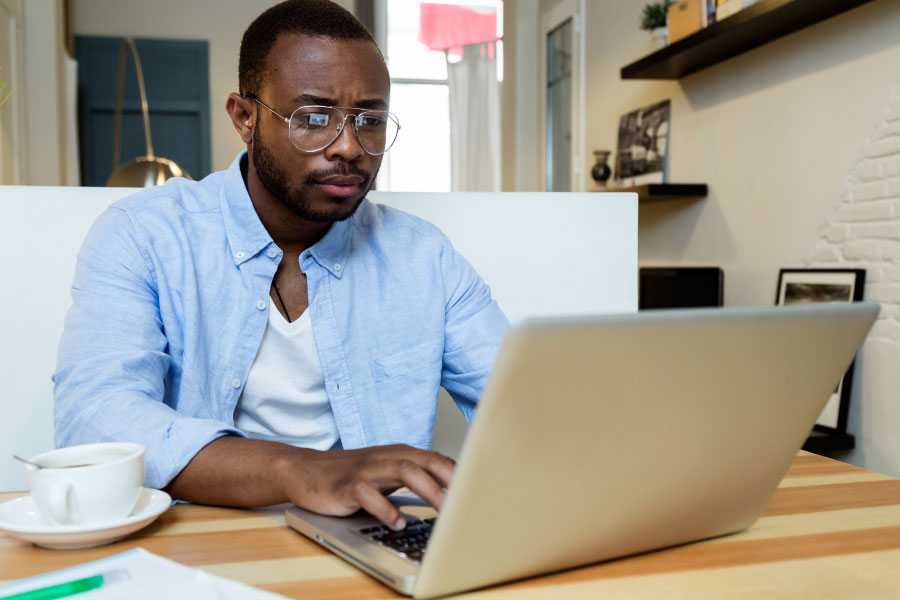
x=830, y=531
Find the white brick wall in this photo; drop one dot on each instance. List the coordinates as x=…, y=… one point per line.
x=864, y=232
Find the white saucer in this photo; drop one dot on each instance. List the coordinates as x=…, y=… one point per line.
x=20, y=519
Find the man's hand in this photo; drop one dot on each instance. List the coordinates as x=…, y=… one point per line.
x=234, y=471
x=341, y=482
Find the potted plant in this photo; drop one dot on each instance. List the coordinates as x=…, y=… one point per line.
x=653, y=19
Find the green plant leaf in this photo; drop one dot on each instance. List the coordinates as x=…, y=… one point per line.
x=653, y=15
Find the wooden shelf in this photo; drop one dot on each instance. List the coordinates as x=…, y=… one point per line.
x=655, y=192
x=756, y=25
x=820, y=442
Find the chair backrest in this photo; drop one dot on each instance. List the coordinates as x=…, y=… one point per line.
x=542, y=254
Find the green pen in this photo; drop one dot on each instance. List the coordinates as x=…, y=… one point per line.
x=70, y=588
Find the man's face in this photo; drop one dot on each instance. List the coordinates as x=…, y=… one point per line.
x=328, y=185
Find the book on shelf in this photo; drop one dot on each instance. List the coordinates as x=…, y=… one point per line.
x=726, y=8
x=686, y=17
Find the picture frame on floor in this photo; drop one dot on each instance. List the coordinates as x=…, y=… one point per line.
x=806, y=286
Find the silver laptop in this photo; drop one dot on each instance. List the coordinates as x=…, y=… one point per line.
x=603, y=437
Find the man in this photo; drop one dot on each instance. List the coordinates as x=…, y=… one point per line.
x=266, y=333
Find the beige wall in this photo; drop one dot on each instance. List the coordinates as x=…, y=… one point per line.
x=864, y=232
x=36, y=130
x=44, y=55
x=777, y=133
x=520, y=103
x=221, y=22
x=12, y=94
x=800, y=143
x=774, y=132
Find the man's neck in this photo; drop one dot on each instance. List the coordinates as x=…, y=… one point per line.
x=290, y=232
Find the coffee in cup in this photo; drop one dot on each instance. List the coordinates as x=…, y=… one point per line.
x=86, y=484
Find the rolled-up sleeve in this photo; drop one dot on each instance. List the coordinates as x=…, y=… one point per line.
x=112, y=366
x=474, y=328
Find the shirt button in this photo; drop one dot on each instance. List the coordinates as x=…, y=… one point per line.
x=239, y=255
x=338, y=267
x=260, y=304
x=272, y=253
x=235, y=383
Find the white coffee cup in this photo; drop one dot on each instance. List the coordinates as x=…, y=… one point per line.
x=87, y=484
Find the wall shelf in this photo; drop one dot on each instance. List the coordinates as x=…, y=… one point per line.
x=655, y=192
x=759, y=24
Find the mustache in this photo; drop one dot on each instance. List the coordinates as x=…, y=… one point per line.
x=340, y=170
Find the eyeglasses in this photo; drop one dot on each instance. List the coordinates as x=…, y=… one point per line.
x=313, y=128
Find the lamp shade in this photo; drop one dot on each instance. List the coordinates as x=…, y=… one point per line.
x=145, y=171
x=148, y=170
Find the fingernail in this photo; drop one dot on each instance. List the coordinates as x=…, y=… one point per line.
x=400, y=524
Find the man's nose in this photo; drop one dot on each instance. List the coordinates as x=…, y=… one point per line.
x=346, y=146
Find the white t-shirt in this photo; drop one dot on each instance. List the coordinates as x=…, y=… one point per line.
x=284, y=399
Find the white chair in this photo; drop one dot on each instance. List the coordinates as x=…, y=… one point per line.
x=542, y=254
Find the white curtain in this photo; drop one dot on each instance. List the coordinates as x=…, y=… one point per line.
x=475, y=120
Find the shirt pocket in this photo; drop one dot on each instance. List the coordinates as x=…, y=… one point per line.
x=421, y=362
x=406, y=389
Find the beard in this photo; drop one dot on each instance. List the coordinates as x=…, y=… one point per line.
x=275, y=181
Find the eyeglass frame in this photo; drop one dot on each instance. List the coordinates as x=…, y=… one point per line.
x=342, y=110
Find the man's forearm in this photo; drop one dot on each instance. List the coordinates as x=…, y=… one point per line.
x=234, y=471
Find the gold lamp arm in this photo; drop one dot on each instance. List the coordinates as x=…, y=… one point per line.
x=128, y=43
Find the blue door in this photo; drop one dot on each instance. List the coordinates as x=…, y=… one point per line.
x=176, y=73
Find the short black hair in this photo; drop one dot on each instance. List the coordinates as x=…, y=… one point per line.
x=308, y=17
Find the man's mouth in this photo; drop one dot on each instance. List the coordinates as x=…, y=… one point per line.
x=341, y=186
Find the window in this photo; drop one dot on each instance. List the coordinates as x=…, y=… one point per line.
x=412, y=34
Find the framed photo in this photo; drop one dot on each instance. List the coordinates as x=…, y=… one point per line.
x=805, y=286
x=643, y=147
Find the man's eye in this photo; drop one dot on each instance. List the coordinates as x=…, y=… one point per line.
x=371, y=122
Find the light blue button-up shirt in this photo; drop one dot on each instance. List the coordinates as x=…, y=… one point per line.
x=169, y=307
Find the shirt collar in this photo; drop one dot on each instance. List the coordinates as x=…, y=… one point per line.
x=247, y=236
x=332, y=250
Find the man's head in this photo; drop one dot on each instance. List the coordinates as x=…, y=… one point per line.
x=309, y=52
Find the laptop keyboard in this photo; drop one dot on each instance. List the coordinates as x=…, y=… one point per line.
x=410, y=542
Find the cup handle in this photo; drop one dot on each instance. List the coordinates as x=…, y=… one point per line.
x=60, y=501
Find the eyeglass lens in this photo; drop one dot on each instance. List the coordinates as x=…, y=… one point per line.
x=313, y=128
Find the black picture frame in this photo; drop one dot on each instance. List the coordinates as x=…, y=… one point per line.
x=642, y=149
x=825, y=285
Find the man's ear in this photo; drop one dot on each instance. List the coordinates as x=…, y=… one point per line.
x=243, y=115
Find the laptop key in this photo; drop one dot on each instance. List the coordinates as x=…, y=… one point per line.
x=371, y=530
x=409, y=542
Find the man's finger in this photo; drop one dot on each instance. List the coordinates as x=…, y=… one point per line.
x=421, y=482
x=440, y=466
x=371, y=499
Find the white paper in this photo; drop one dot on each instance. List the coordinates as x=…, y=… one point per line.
x=150, y=576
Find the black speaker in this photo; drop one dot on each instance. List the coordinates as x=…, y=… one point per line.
x=680, y=287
